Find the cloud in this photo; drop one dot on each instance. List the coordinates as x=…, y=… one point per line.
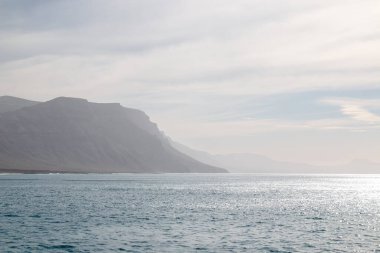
x=245, y=47
x=357, y=109
x=359, y=113
x=201, y=67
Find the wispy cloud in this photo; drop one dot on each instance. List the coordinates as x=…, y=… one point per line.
x=357, y=109
x=244, y=47
x=359, y=113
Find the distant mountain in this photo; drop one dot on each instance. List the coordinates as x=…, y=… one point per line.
x=74, y=135
x=357, y=166
x=246, y=163
x=253, y=163
x=8, y=103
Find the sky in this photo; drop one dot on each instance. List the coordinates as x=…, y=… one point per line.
x=294, y=80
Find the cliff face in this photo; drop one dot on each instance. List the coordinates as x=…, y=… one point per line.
x=74, y=135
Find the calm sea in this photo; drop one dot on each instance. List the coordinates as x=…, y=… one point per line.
x=189, y=213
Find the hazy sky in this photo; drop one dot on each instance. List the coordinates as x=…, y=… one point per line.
x=297, y=80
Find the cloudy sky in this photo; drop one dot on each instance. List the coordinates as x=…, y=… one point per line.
x=292, y=79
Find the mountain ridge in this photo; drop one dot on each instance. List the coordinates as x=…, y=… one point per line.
x=73, y=135
x=10, y=103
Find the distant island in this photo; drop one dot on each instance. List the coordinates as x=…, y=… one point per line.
x=72, y=135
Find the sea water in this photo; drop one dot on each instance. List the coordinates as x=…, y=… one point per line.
x=189, y=213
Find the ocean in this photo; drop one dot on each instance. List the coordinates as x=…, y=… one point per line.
x=189, y=213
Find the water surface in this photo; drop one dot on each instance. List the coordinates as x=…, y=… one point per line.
x=189, y=213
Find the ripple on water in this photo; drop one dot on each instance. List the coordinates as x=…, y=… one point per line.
x=188, y=213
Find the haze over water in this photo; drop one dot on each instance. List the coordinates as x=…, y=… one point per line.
x=189, y=213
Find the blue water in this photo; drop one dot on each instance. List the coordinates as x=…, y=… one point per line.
x=189, y=213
